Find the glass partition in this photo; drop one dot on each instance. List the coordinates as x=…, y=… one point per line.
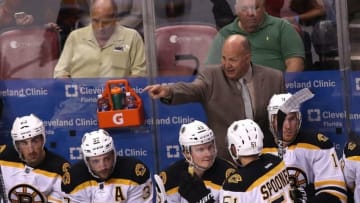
x=64, y=16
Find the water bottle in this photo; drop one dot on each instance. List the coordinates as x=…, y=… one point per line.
x=118, y=98
x=102, y=103
x=130, y=101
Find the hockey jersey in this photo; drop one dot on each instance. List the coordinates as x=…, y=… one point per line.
x=263, y=180
x=351, y=168
x=24, y=183
x=213, y=178
x=130, y=182
x=313, y=164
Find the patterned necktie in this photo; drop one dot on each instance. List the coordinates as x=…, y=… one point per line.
x=247, y=99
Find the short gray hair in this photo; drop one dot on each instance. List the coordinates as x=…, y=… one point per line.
x=238, y=1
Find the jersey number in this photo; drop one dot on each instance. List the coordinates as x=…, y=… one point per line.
x=334, y=159
x=280, y=199
x=229, y=199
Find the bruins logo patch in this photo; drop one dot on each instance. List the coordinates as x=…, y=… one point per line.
x=26, y=193
x=140, y=169
x=322, y=138
x=235, y=178
x=229, y=171
x=297, y=177
x=351, y=146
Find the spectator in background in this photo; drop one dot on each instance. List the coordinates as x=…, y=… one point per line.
x=29, y=12
x=69, y=17
x=221, y=90
x=30, y=172
x=102, y=49
x=273, y=7
x=302, y=14
x=306, y=12
x=222, y=13
x=199, y=176
x=129, y=13
x=102, y=176
x=295, y=11
x=330, y=10
x=274, y=42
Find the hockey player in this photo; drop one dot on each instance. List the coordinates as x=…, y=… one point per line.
x=351, y=167
x=310, y=158
x=260, y=177
x=199, y=176
x=102, y=176
x=30, y=172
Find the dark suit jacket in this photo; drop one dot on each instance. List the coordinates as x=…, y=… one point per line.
x=222, y=100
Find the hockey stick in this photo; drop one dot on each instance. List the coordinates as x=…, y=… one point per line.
x=293, y=102
x=296, y=99
x=160, y=190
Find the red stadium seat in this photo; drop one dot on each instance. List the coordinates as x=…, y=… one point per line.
x=182, y=49
x=28, y=53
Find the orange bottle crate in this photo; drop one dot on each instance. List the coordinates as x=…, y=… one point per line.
x=120, y=117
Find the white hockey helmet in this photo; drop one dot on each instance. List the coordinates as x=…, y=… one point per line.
x=194, y=133
x=97, y=143
x=274, y=105
x=27, y=127
x=247, y=138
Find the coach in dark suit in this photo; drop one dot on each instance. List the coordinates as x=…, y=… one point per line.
x=219, y=91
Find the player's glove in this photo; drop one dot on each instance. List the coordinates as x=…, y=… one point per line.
x=298, y=195
x=193, y=189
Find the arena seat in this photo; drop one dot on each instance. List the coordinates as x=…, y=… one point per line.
x=182, y=49
x=28, y=53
